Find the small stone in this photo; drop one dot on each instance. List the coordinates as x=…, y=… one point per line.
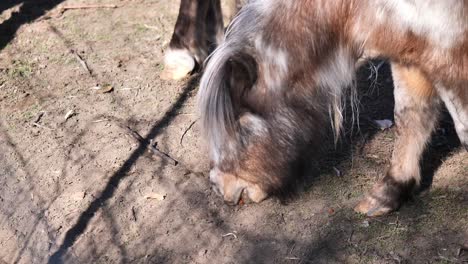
x=365, y=223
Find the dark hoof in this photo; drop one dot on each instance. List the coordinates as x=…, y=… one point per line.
x=372, y=207
x=385, y=197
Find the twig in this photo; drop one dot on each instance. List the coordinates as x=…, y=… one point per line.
x=41, y=126
x=69, y=114
x=165, y=156
x=351, y=236
x=62, y=10
x=127, y=89
x=150, y=27
x=38, y=117
x=137, y=93
x=100, y=120
x=162, y=25
x=88, y=6
x=134, y=214
x=233, y=234
x=186, y=130
x=82, y=62
x=291, y=258
x=148, y=144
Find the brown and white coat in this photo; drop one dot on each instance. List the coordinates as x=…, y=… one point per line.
x=271, y=88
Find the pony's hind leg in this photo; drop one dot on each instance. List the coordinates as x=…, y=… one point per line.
x=416, y=113
x=456, y=101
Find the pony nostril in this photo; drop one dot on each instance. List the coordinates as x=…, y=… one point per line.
x=231, y=203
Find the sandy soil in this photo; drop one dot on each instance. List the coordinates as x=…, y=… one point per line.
x=83, y=189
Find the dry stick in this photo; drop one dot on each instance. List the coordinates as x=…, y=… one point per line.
x=82, y=62
x=159, y=153
x=156, y=151
x=233, y=234
x=41, y=126
x=100, y=120
x=186, y=130
x=292, y=258
x=87, y=6
x=134, y=214
x=62, y=10
x=65, y=8
x=38, y=117
x=351, y=236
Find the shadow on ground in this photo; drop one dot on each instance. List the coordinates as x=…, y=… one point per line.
x=28, y=12
x=116, y=178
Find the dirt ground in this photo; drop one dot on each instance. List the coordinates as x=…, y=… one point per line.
x=77, y=185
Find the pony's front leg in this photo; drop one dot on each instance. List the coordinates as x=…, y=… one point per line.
x=416, y=112
x=198, y=30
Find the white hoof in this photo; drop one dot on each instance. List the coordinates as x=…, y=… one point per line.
x=177, y=65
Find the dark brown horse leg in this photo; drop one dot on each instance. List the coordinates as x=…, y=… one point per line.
x=416, y=112
x=214, y=25
x=193, y=36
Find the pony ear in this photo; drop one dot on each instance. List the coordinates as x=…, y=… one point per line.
x=242, y=75
x=228, y=75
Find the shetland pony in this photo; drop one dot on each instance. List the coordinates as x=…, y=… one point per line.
x=272, y=87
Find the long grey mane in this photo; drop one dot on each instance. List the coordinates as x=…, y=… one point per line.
x=214, y=101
